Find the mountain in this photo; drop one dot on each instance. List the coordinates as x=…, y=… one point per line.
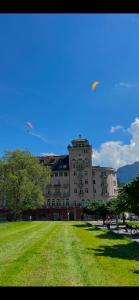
x=127, y=173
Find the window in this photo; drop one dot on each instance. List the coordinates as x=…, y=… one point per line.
x=53, y=202
x=87, y=163
x=48, y=202
x=94, y=190
x=81, y=191
x=114, y=182
x=85, y=151
x=49, y=192
x=86, y=190
x=94, y=181
x=73, y=163
x=65, y=173
x=86, y=181
x=58, y=202
x=56, y=174
x=67, y=203
x=74, y=173
x=103, y=174
x=60, y=173
x=85, y=173
x=93, y=173
x=75, y=191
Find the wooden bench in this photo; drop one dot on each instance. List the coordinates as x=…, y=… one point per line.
x=131, y=227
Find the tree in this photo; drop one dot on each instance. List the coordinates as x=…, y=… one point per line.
x=127, y=199
x=118, y=205
x=22, y=181
x=99, y=208
x=131, y=191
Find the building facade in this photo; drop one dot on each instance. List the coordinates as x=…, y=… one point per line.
x=75, y=182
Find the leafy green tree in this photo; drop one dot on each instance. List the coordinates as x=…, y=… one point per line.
x=23, y=181
x=118, y=205
x=127, y=199
x=131, y=190
x=99, y=208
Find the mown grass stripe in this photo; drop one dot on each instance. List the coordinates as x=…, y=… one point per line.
x=21, y=246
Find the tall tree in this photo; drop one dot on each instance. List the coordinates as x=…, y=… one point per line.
x=22, y=181
x=99, y=208
x=127, y=199
x=131, y=190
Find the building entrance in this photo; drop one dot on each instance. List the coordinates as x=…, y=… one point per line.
x=56, y=216
x=71, y=216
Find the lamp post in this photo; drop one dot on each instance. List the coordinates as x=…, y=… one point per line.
x=68, y=215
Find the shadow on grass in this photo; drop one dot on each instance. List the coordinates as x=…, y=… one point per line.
x=111, y=236
x=93, y=228
x=136, y=271
x=125, y=251
x=83, y=225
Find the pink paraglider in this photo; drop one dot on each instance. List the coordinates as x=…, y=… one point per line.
x=29, y=124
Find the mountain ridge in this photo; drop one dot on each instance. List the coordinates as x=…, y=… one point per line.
x=127, y=173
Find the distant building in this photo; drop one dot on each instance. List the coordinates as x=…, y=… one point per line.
x=74, y=183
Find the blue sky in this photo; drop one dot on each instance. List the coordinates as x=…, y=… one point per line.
x=47, y=65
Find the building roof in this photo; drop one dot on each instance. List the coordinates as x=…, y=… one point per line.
x=57, y=163
x=104, y=168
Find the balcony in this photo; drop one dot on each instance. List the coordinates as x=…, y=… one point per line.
x=57, y=185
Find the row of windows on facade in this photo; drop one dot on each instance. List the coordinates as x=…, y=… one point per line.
x=80, y=191
x=61, y=174
x=65, y=193
x=56, y=174
x=75, y=192
x=81, y=166
x=81, y=182
x=65, y=202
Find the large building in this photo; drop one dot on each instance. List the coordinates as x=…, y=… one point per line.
x=75, y=182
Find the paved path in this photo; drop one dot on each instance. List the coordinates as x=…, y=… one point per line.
x=133, y=235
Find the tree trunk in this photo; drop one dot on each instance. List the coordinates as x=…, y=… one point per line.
x=123, y=219
x=103, y=220
x=15, y=216
x=117, y=224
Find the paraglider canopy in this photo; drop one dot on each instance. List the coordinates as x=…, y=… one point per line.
x=29, y=124
x=94, y=85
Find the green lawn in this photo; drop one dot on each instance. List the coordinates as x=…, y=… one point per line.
x=65, y=254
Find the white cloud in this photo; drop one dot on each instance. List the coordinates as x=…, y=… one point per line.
x=38, y=136
x=125, y=85
x=115, y=128
x=115, y=153
x=49, y=154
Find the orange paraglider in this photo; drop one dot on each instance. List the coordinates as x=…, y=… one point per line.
x=94, y=85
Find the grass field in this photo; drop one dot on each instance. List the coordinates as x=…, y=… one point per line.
x=65, y=254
